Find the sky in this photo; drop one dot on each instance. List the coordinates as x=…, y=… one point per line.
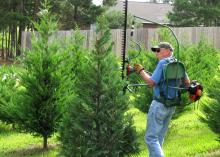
x=99, y=2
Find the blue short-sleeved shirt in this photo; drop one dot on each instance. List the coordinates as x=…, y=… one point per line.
x=157, y=77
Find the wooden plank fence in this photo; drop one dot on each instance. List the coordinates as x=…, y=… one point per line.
x=186, y=35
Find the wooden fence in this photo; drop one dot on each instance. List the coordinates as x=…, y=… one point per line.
x=186, y=35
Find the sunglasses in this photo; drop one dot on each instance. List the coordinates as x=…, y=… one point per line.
x=157, y=50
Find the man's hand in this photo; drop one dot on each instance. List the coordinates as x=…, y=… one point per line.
x=138, y=68
x=146, y=77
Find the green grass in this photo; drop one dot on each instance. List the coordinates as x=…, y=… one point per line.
x=187, y=137
x=14, y=144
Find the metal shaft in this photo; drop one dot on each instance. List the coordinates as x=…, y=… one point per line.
x=177, y=42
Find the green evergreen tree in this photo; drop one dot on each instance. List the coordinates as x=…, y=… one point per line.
x=74, y=12
x=116, y=17
x=15, y=17
x=212, y=110
x=8, y=89
x=82, y=13
x=201, y=62
x=37, y=110
x=109, y=2
x=195, y=13
x=96, y=123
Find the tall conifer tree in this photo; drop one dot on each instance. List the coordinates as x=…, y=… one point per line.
x=211, y=111
x=37, y=110
x=96, y=123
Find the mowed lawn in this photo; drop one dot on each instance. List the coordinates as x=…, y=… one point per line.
x=187, y=137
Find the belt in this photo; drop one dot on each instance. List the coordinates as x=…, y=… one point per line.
x=169, y=102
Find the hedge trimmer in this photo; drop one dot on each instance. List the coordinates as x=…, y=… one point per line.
x=126, y=61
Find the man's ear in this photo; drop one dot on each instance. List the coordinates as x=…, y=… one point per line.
x=169, y=52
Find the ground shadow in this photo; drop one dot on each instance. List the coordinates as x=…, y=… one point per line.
x=30, y=151
x=181, y=111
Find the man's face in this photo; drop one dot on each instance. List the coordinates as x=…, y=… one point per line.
x=162, y=53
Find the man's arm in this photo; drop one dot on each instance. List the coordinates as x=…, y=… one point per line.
x=150, y=80
x=187, y=81
x=147, y=78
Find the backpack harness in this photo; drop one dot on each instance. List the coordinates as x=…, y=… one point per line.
x=173, y=71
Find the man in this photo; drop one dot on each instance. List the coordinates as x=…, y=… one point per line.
x=159, y=115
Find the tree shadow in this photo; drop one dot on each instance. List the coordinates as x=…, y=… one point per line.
x=181, y=111
x=32, y=150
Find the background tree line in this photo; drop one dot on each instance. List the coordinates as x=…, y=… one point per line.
x=17, y=16
x=195, y=13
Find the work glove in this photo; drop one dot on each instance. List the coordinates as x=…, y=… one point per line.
x=130, y=70
x=138, y=68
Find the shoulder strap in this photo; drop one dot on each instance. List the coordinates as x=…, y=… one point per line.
x=161, y=83
x=170, y=59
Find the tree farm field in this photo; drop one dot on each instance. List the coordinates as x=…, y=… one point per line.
x=62, y=98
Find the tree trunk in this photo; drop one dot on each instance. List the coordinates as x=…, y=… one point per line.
x=13, y=33
x=18, y=52
x=3, y=38
x=9, y=43
x=16, y=42
x=45, y=143
x=20, y=29
x=35, y=11
x=13, y=40
x=75, y=16
x=6, y=43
